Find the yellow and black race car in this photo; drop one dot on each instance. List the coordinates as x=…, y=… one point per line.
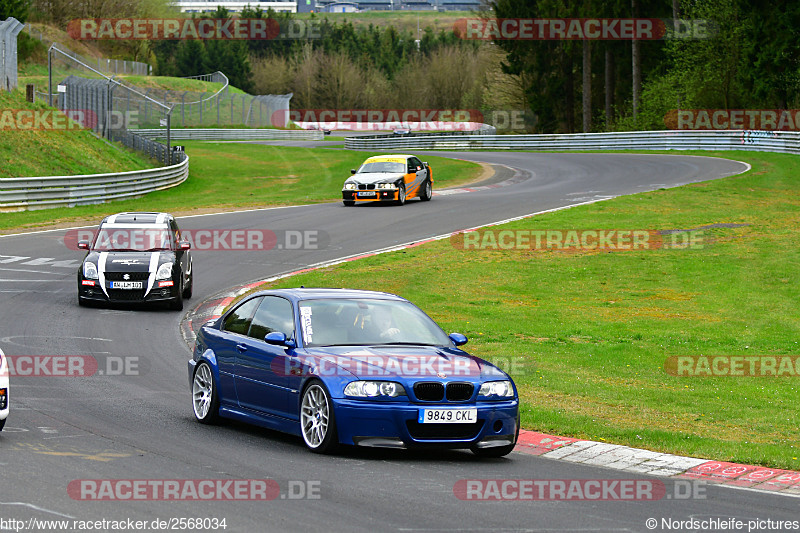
x=389, y=178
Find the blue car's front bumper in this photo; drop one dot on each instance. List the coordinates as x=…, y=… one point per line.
x=395, y=425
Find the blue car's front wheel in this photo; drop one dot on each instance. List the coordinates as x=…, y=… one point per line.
x=317, y=421
x=205, y=399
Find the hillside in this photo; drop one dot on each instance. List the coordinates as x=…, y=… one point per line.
x=36, y=152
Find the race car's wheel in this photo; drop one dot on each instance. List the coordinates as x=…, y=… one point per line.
x=427, y=191
x=317, y=422
x=177, y=303
x=349, y=203
x=3, y=423
x=205, y=399
x=401, y=195
x=187, y=291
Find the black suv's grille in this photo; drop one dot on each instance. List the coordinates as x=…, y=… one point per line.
x=443, y=431
x=126, y=295
x=459, y=392
x=429, y=391
x=132, y=276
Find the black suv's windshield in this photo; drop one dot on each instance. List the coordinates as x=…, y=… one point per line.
x=128, y=238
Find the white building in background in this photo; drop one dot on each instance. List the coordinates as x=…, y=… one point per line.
x=235, y=6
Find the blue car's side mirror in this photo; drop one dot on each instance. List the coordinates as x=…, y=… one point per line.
x=458, y=339
x=278, y=338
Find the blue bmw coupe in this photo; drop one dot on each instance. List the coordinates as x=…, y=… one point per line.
x=338, y=366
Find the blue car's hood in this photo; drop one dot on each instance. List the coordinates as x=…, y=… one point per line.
x=398, y=362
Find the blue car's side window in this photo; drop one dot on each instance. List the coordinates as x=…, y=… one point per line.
x=274, y=314
x=239, y=320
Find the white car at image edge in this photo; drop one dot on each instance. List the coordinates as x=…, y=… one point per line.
x=3, y=389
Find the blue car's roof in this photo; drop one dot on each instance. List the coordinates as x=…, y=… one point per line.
x=322, y=293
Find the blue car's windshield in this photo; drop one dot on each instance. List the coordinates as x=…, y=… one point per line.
x=367, y=322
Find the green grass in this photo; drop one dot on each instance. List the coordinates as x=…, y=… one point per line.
x=27, y=153
x=587, y=334
x=236, y=176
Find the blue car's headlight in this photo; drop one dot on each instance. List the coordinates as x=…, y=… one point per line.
x=496, y=390
x=89, y=270
x=374, y=389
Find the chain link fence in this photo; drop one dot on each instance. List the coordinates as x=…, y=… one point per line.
x=9, y=29
x=109, y=67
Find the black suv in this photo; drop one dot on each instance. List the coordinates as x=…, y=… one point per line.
x=136, y=257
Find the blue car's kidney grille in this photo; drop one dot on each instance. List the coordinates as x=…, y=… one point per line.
x=429, y=391
x=459, y=392
x=443, y=431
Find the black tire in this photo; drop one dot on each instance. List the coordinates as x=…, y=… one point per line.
x=317, y=419
x=205, y=398
x=187, y=291
x=177, y=303
x=401, y=195
x=427, y=191
x=3, y=423
x=349, y=203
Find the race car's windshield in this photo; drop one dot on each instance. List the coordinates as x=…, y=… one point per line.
x=382, y=166
x=133, y=239
x=367, y=322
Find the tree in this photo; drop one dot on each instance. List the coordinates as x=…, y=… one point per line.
x=15, y=8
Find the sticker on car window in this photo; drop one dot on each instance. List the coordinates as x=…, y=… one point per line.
x=305, y=320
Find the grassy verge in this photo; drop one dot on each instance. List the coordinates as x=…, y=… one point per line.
x=587, y=334
x=233, y=175
x=26, y=153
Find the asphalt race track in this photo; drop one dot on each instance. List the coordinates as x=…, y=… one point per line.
x=112, y=426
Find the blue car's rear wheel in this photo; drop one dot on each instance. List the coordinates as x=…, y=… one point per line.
x=205, y=399
x=317, y=421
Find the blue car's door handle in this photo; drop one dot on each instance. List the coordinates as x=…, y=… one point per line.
x=241, y=348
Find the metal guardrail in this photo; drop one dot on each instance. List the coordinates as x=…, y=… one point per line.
x=762, y=141
x=18, y=194
x=226, y=134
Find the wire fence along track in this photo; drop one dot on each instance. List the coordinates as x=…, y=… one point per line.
x=19, y=194
x=760, y=141
x=225, y=134
x=109, y=67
